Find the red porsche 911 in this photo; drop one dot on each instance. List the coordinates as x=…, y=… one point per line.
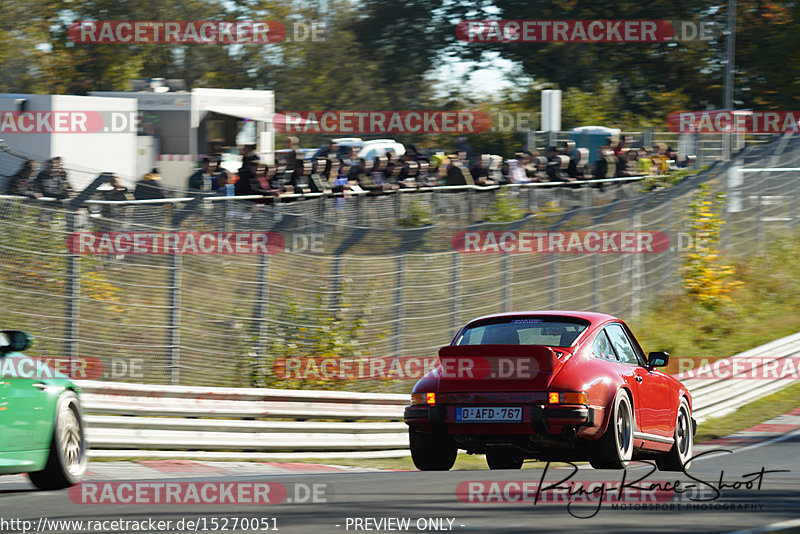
x=550, y=385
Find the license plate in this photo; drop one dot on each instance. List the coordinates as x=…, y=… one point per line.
x=488, y=414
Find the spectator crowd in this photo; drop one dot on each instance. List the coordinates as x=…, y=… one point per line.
x=336, y=169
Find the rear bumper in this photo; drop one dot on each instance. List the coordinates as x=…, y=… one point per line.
x=537, y=419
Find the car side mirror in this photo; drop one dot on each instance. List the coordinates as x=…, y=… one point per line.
x=658, y=359
x=14, y=341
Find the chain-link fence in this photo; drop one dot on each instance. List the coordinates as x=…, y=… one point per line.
x=352, y=279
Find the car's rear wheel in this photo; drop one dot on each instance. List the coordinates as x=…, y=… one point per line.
x=500, y=459
x=679, y=457
x=615, y=449
x=68, y=451
x=432, y=453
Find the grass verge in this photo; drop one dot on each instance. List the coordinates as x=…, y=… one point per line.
x=750, y=414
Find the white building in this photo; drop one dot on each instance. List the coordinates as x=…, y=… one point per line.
x=91, y=134
x=178, y=127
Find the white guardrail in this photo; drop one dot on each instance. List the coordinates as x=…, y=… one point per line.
x=153, y=421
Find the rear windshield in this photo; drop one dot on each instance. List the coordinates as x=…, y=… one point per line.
x=549, y=331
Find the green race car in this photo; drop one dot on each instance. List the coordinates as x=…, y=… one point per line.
x=41, y=425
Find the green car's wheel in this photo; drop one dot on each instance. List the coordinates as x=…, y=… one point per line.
x=68, y=452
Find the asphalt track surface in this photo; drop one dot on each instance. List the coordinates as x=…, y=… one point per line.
x=356, y=500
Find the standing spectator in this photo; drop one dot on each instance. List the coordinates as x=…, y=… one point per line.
x=220, y=177
x=480, y=170
x=318, y=179
x=644, y=163
x=52, y=180
x=425, y=177
x=517, y=169
x=361, y=173
x=149, y=187
x=248, y=182
x=249, y=153
x=202, y=179
x=301, y=180
x=114, y=191
x=457, y=172
x=294, y=159
x=330, y=151
x=378, y=167
x=20, y=184
x=117, y=191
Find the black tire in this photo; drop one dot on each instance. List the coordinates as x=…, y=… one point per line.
x=68, y=458
x=615, y=449
x=500, y=459
x=432, y=453
x=678, y=458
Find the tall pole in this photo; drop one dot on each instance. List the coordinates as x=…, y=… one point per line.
x=727, y=97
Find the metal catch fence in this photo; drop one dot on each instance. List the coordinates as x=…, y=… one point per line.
x=358, y=276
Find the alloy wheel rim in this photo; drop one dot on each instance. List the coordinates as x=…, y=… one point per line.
x=623, y=431
x=682, y=435
x=71, y=439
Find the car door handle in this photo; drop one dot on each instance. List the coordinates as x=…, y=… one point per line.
x=638, y=378
x=42, y=385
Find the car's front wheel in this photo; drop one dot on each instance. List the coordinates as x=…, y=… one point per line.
x=615, y=449
x=679, y=457
x=432, y=453
x=500, y=459
x=68, y=451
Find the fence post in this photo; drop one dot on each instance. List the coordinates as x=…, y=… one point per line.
x=73, y=289
x=532, y=199
x=399, y=314
x=360, y=206
x=336, y=283
x=73, y=296
x=398, y=207
x=553, y=280
x=455, y=309
x=506, y=282
x=636, y=267
x=760, y=218
x=174, y=334
x=259, y=314
x=795, y=200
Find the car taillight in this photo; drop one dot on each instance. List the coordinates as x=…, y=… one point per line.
x=423, y=398
x=568, y=397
